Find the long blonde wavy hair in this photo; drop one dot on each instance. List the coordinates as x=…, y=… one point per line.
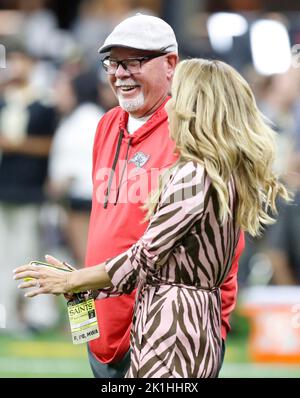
x=214, y=120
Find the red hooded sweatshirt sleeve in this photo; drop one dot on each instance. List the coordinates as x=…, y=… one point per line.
x=125, y=170
x=229, y=289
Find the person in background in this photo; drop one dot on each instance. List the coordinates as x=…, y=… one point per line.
x=39, y=23
x=95, y=20
x=27, y=126
x=132, y=147
x=281, y=104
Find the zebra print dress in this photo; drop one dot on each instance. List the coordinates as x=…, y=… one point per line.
x=178, y=265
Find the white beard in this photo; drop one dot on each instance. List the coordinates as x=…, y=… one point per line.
x=131, y=105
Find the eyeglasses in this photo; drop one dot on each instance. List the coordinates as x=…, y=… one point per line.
x=133, y=65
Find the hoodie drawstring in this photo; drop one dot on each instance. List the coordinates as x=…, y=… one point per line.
x=120, y=181
x=113, y=169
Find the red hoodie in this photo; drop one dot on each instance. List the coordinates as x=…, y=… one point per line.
x=125, y=169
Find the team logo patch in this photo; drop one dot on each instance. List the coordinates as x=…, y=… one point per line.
x=139, y=159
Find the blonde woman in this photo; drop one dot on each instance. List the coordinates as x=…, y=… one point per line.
x=222, y=183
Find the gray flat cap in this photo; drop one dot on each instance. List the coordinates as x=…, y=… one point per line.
x=143, y=32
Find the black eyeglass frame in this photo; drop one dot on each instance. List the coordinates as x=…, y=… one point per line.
x=123, y=62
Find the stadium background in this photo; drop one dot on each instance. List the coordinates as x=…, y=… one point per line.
x=257, y=37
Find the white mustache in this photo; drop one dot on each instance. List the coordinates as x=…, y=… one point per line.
x=125, y=82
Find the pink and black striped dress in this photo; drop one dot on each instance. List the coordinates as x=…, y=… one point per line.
x=178, y=265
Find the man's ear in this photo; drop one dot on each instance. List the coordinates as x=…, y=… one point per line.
x=171, y=62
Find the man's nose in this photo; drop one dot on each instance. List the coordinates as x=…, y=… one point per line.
x=121, y=72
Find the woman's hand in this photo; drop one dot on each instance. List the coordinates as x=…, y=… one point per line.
x=63, y=265
x=46, y=280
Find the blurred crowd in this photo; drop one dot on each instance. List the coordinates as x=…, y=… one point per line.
x=52, y=95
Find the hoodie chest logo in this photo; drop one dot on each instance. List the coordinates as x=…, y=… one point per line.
x=139, y=159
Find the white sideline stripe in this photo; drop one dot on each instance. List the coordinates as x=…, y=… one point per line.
x=43, y=366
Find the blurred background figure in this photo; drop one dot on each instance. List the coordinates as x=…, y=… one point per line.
x=37, y=26
x=281, y=104
x=77, y=100
x=273, y=259
x=95, y=20
x=26, y=129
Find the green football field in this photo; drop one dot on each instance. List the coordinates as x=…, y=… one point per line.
x=53, y=355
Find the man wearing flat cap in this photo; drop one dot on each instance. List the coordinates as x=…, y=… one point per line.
x=132, y=147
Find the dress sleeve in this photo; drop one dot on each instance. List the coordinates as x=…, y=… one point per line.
x=181, y=204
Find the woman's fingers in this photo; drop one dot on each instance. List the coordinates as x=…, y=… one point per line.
x=54, y=261
x=25, y=267
x=25, y=272
x=47, y=280
x=31, y=279
x=26, y=285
